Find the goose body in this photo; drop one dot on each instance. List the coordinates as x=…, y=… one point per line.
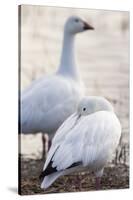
x=47, y=102
x=85, y=141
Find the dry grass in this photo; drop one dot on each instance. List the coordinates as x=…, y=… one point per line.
x=115, y=177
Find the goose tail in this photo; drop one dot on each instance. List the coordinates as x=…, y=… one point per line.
x=48, y=180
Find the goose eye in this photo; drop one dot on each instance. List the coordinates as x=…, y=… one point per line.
x=84, y=109
x=76, y=20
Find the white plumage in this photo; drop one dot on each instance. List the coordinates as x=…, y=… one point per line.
x=48, y=103
x=85, y=141
x=50, y=100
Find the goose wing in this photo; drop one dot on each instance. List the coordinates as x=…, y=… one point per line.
x=91, y=141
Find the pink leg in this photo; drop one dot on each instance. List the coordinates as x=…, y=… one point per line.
x=98, y=183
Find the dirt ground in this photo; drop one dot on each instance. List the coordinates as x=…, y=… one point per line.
x=115, y=177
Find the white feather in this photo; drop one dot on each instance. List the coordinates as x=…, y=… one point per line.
x=90, y=140
x=50, y=179
x=44, y=108
x=47, y=102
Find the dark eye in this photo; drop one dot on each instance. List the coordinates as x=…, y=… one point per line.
x=84, y=109
x=76, y=20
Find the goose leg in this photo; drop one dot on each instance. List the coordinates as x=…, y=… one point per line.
x=49, y=144
x=98, y=183
x=98, y=179
x=50, y=137
x=78, y=183
x=45, y=145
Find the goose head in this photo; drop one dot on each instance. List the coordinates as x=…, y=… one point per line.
x=92, y=104
x=75, y=25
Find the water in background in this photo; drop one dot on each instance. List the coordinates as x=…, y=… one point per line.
x=102, y=58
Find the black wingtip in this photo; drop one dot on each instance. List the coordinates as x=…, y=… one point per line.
x=42, y=175
x=49, y=170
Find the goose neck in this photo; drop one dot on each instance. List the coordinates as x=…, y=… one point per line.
x=67, y=63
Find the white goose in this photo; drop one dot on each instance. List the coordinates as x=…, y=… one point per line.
x=50, y=100
x=85, y=141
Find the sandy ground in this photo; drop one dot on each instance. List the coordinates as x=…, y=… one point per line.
x=115, y=177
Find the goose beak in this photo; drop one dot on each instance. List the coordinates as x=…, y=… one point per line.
x=87, y=26
x=79, y=115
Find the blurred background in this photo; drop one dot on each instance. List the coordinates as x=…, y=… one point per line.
x=102, y=58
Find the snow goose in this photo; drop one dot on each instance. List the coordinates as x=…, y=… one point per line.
x=85, y=141
x=47, y=102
